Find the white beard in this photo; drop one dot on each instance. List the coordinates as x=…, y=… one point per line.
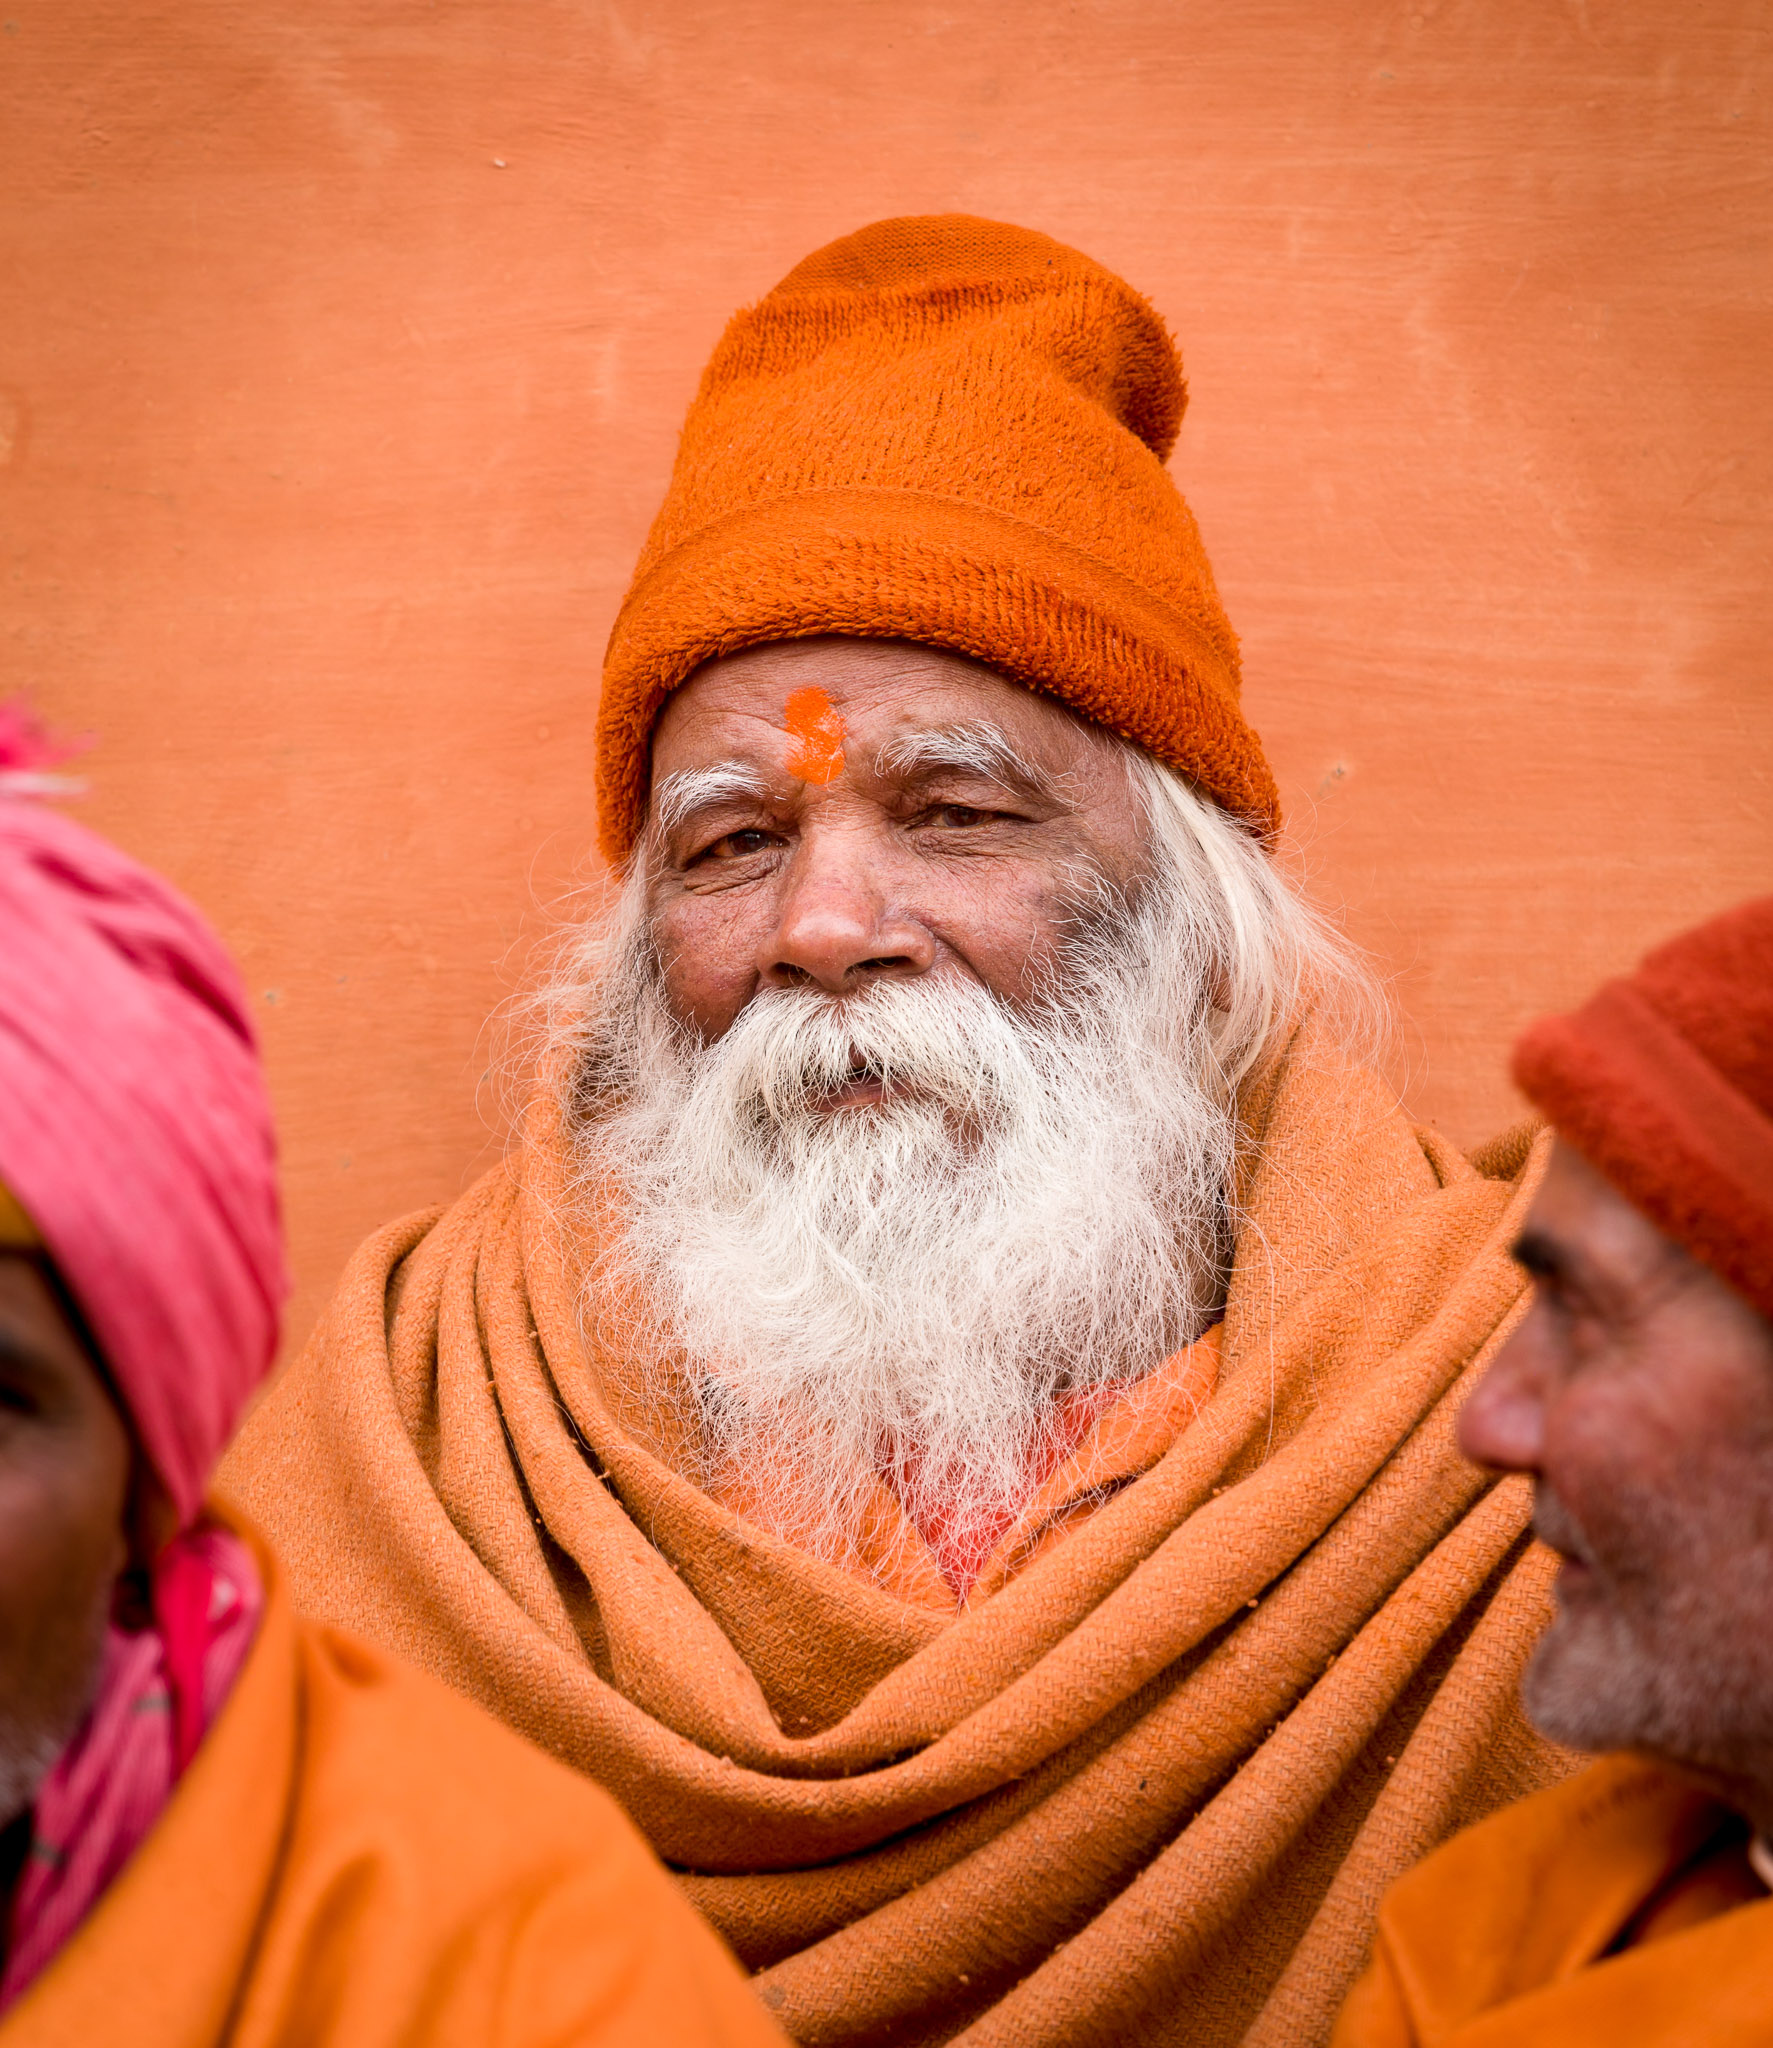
x=1038, y=1205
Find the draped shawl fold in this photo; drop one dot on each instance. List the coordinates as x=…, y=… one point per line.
x=1151, y=1788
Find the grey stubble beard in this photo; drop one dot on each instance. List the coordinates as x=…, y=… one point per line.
x=1648, y=1656
x=39, y=1717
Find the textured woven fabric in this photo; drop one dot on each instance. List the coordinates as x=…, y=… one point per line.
x=1149, y=1786
x=950, y=431
x=1664, y=1082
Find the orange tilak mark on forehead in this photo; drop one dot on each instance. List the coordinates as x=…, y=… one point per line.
x=810, y=719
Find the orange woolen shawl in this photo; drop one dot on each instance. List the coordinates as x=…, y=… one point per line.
x=1150, y=1788
x=357, y=1858
x=1498, y=1940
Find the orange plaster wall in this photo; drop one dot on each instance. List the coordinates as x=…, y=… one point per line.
x=345, y=347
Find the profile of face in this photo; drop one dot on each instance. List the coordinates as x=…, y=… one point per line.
x=1638, y=1395
x=65, y=1465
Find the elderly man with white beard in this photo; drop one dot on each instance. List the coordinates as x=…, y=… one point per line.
x=992, y=936
x=947, y=1411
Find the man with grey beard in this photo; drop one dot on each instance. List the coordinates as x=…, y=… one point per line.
x=1033, y=1202
x=1633, y=1904
x=947, y=1410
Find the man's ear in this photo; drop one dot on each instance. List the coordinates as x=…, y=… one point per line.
x=150, y=1522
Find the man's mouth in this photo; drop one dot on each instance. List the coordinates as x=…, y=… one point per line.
x=1556, y=1528
x=1574, y=1576
x=857, y=1093
x=861, y=1090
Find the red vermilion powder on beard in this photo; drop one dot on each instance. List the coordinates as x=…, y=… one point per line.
x=962, y=1552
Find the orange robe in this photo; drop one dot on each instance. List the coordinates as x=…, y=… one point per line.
x=357, y=1857
x=1616, y=1909
x=1166, y=1768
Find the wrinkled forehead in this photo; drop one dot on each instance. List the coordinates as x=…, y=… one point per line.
x=810, y=705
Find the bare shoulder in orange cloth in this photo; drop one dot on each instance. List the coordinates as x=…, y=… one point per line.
x=1174, y=1746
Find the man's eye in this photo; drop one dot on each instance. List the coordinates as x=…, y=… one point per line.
x=958, y=816
x=1557, y=1296
x=737, y=845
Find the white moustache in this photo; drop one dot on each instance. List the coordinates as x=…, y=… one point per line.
x=947, y=1042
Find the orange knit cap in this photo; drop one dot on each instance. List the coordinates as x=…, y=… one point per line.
x=1663, y=1081
x=949, y=431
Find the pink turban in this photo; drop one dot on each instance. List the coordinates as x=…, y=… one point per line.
x=136, y=1133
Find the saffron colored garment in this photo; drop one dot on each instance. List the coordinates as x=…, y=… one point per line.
x=1617, y=1910
x=1239, y=1668
x=357, y=1859
x=111, y=1784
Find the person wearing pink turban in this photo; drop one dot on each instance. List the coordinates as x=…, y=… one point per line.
x=218, y=1822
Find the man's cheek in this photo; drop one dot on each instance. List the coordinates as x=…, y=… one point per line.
x=1007, y=927
x=708, y=952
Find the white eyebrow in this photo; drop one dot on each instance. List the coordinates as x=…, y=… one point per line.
x=979, y=747
x=695, y=789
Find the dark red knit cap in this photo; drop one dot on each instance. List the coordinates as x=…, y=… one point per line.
x=1664, y=1082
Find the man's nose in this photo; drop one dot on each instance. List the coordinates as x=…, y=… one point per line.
x=1503, y=1423
x=837, y=925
